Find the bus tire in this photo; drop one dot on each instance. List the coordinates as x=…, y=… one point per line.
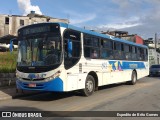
x=133, y=78
x=89, y=86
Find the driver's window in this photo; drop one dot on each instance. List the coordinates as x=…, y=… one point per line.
x=72, y=48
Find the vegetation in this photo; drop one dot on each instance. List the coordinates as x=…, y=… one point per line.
x=8, y=62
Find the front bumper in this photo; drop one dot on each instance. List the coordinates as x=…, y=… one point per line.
x=53, y=85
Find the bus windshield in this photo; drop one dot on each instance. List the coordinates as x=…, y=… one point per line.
x=39, y=50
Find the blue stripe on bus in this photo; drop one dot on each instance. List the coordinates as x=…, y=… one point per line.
x=123, y=65
x=53, y=85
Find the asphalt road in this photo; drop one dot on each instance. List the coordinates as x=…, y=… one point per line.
x=144, y=96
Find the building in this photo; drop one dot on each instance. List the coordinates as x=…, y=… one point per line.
x=151, y=44
x=154, y=51
x=124, y=35
x=154, y=57
x=9, y=24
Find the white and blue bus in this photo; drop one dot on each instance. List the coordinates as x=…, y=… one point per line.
x=60, y=57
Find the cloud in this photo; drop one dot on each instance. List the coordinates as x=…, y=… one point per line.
x=135, y=16
x=120, y=25
x=78, y=18
x=125, y=4
x=82, y=18
x=140, y=17
x=131, y=22
x=150, y=20
x=26, y=7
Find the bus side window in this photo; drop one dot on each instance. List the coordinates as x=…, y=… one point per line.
x=91, y=50
x=117, y=50
x=69, y=48
x=94, y=54
x=128, y=52
x=72, y=48
x=104, y=53
x=145, y=54
x=138, y=54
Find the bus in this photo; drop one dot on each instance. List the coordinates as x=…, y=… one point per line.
x=60, y=57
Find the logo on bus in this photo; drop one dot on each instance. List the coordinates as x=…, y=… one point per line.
x=104, y=65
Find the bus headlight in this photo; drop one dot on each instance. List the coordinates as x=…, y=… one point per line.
x=57, y=74
x=19, y=78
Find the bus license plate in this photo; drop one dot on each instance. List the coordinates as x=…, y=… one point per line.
x=32, y=85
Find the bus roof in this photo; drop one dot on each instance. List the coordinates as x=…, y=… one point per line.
x=99, y=34
x=65, y=25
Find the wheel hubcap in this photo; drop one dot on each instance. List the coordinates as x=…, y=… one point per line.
x=89, y=86
x=134, y=78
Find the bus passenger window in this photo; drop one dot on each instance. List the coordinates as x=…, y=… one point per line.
x=94, y=54
x=104, y=53
x=69, y=46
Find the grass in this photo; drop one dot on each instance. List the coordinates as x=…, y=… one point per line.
x=8, y=62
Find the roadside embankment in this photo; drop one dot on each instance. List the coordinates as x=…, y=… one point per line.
x=7, y=79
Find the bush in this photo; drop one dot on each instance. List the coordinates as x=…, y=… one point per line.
x=8, y=62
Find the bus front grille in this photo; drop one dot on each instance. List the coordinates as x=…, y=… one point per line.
x=27, y=79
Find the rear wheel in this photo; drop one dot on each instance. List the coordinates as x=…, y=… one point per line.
x=89, y=86
x=133, y=78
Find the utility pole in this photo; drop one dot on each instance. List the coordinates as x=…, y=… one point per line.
x=155, y=41
x=68, y=17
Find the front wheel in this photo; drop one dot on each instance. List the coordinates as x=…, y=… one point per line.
x=89, y=86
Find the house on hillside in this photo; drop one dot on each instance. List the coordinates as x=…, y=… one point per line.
x=124, y=35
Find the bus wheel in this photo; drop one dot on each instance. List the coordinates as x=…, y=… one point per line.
x=89, y=86
x=133, y=78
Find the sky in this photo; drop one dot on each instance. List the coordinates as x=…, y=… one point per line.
x=140, y=17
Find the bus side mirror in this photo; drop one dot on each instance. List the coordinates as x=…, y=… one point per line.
x=11, y=46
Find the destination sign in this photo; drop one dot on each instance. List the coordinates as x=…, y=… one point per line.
x=39, y=28
x=33, y=30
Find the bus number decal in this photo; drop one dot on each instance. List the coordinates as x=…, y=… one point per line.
x=104, y=65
